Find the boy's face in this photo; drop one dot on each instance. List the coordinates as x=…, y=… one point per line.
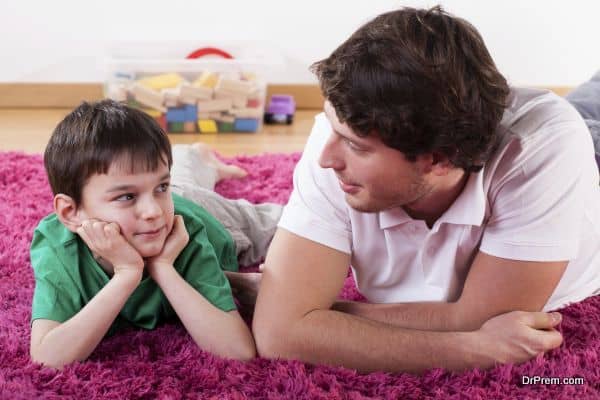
x=139, y=202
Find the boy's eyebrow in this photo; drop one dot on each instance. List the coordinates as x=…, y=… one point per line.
x=119, y=188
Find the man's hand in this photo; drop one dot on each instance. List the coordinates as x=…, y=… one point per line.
x=518, y=336
x=105, y=240
x=176, y=241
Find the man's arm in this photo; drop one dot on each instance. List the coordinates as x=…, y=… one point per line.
x=56, y=344
x=493, y=286
x=293, y=320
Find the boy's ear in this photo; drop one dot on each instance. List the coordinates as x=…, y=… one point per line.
x=67, y=212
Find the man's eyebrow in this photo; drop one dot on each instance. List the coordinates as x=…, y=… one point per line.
x=120, y=188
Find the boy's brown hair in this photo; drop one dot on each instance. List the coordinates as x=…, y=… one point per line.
x=93, y=135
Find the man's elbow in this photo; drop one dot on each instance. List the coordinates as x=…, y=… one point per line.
x=271, y=340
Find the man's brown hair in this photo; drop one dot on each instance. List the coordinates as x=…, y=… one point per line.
x=423, y=81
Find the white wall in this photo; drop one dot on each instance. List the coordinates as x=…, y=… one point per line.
x=535, y=42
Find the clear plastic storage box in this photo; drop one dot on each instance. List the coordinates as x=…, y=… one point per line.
x=208, y=94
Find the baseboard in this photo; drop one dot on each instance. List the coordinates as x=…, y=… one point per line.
x=69, y=95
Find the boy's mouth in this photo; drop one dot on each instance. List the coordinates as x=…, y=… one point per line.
x=150, y=233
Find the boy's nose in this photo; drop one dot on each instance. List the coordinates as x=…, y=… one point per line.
x=149, y=209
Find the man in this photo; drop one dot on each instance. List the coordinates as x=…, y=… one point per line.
x=455, y=199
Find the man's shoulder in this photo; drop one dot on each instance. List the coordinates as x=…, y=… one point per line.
x=532, y=112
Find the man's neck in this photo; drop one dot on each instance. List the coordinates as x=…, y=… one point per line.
x=436, y=202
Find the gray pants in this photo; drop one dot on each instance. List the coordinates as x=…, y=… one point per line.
x=251, y=226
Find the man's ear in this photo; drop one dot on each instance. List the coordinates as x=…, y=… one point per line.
x=440, y=164
x=67, y=212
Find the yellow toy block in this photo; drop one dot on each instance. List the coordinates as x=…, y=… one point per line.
x=207, y=126
x=207, y=80
x=152, y=113
x=162, y=81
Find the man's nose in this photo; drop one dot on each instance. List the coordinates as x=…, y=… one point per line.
x=331, y=156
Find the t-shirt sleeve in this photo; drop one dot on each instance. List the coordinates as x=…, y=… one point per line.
x=200, y=264
x=317, y=208
x=537, y=207
x=54, y=296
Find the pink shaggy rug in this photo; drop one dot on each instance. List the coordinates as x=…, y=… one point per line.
x=166, y=364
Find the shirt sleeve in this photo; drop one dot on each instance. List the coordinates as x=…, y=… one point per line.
x=317, y=208
x=200, y=265
x=55, y=297
x=537, y=206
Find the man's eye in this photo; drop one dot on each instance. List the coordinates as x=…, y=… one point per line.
x=352, y=145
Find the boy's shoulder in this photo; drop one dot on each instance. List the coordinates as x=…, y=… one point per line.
x=52, y=230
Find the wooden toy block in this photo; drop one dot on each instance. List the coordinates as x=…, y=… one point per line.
x=214, y=115
x=162, y=81
x=162, y=122
x=247, y=112
x=253, y=103
x=207, y=126
x=189, y=127
x=191, y=113
x=245, y=125
x=193, y=92
x=226, y=118
x=175, y=127
x=225, y=126
x=176, y=115
x=215, y=105
x=203, y=115
x=148, y=97
x=248, y=76
x=151, y=112
x=207, y=79
x=234, y=86
x=117, y=93
x=239, y=101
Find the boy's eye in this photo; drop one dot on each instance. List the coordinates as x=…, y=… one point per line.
x=125, y=197
x=163, y=187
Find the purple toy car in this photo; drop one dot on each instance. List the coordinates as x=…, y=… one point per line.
x=280, y=110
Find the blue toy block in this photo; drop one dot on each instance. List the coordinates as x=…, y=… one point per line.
x=245, y=125
x=191, y=113
x=176, y=114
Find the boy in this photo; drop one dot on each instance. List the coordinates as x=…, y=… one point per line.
x=121, y=250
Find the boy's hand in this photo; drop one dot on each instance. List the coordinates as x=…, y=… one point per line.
x=176, y=241
x=105, y=239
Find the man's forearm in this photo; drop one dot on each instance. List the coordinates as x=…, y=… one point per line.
x=322, y=337
x=430, y=316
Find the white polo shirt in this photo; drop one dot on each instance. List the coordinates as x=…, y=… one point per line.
x=536, y=199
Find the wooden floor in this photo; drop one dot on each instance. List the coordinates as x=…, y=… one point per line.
x=28, y=130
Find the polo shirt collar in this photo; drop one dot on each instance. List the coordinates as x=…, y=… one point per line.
x=468, y=208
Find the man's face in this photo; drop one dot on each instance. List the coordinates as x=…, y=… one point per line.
x=139, y=202
x=373, y=176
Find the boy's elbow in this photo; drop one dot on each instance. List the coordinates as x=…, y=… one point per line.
x=48, y=360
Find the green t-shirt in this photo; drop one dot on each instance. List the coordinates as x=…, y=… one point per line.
x=67, y=276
